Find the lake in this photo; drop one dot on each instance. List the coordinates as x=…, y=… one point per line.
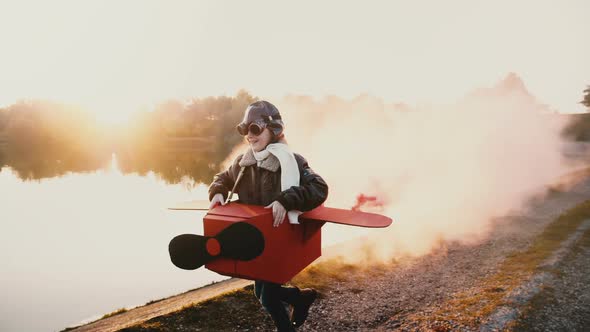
x=79, y=245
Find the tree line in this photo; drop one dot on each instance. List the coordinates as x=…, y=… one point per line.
x=578, y=128
x=41, y=138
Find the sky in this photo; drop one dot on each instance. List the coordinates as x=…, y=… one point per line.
x=115, y=57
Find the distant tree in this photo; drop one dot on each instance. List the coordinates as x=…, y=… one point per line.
x=47, y=139
x=217, y=117
x=3, y=118
x=178, y=138
x=586, y=100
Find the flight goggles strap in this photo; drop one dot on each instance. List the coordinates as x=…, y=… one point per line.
x=270, y=118
x=231, y=193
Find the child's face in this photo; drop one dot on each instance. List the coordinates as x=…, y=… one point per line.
x=259, y=143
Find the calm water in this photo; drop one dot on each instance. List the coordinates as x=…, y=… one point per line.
x=80, y=245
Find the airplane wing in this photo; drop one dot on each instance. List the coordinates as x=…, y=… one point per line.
x=201, y=205
x=347, y=217
x=319, y=214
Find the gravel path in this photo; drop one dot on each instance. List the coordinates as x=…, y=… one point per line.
x=421, y=286
x=536, y=289
x=564, y=302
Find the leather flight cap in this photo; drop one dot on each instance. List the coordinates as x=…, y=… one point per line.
x=263, y=111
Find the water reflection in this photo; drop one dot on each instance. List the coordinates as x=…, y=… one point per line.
x=77, y=245
x=174, y=162
x=171, y=165
x=38, y=162
x=176, y=140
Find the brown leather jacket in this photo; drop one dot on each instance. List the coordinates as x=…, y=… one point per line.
x=261, y=185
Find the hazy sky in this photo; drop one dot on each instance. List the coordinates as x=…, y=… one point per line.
x=133, y=53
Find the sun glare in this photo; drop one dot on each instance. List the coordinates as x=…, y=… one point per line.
x=112, y=114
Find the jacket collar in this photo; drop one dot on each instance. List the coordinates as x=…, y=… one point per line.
x=271, y=163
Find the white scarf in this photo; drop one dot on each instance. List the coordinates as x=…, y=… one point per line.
x=289, y=170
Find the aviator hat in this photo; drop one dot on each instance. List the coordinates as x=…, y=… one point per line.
x=263, y=113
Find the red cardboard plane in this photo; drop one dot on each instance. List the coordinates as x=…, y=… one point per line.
x=240, y=241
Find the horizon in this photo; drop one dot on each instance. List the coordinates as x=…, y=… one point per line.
x=115, y=59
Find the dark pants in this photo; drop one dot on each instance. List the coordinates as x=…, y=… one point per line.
x=273, y=298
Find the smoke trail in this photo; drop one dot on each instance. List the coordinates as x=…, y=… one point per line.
x=441, y=172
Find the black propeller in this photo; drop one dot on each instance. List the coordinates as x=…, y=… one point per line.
x=241, y=241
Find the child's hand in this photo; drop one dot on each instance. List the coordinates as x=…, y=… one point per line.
x=217, y=199
x=278, y=212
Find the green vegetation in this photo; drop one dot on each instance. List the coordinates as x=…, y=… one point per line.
x=320, y=276
x=185, y=292
x=470, y=308
x=578, y=128
x=212, y=119
x=547, y=295
x=586, y=100
x=111, y=314
x=177, y=139
x=114, y=313
x=325, y=273
x=42, y=139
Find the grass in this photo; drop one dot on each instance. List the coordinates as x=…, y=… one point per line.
x=578, y=128
x=547, y=297
x=470, y=307
x=188, y=291
x=110, y=314
x=114, y=313
x=327, y=272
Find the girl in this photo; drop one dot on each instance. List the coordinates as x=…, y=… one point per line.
x=282, y=181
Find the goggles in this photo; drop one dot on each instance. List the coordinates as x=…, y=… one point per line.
x=254, y=128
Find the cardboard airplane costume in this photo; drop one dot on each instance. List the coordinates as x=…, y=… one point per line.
x=240, y=241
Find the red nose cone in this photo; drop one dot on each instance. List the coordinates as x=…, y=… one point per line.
x=213, y=247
